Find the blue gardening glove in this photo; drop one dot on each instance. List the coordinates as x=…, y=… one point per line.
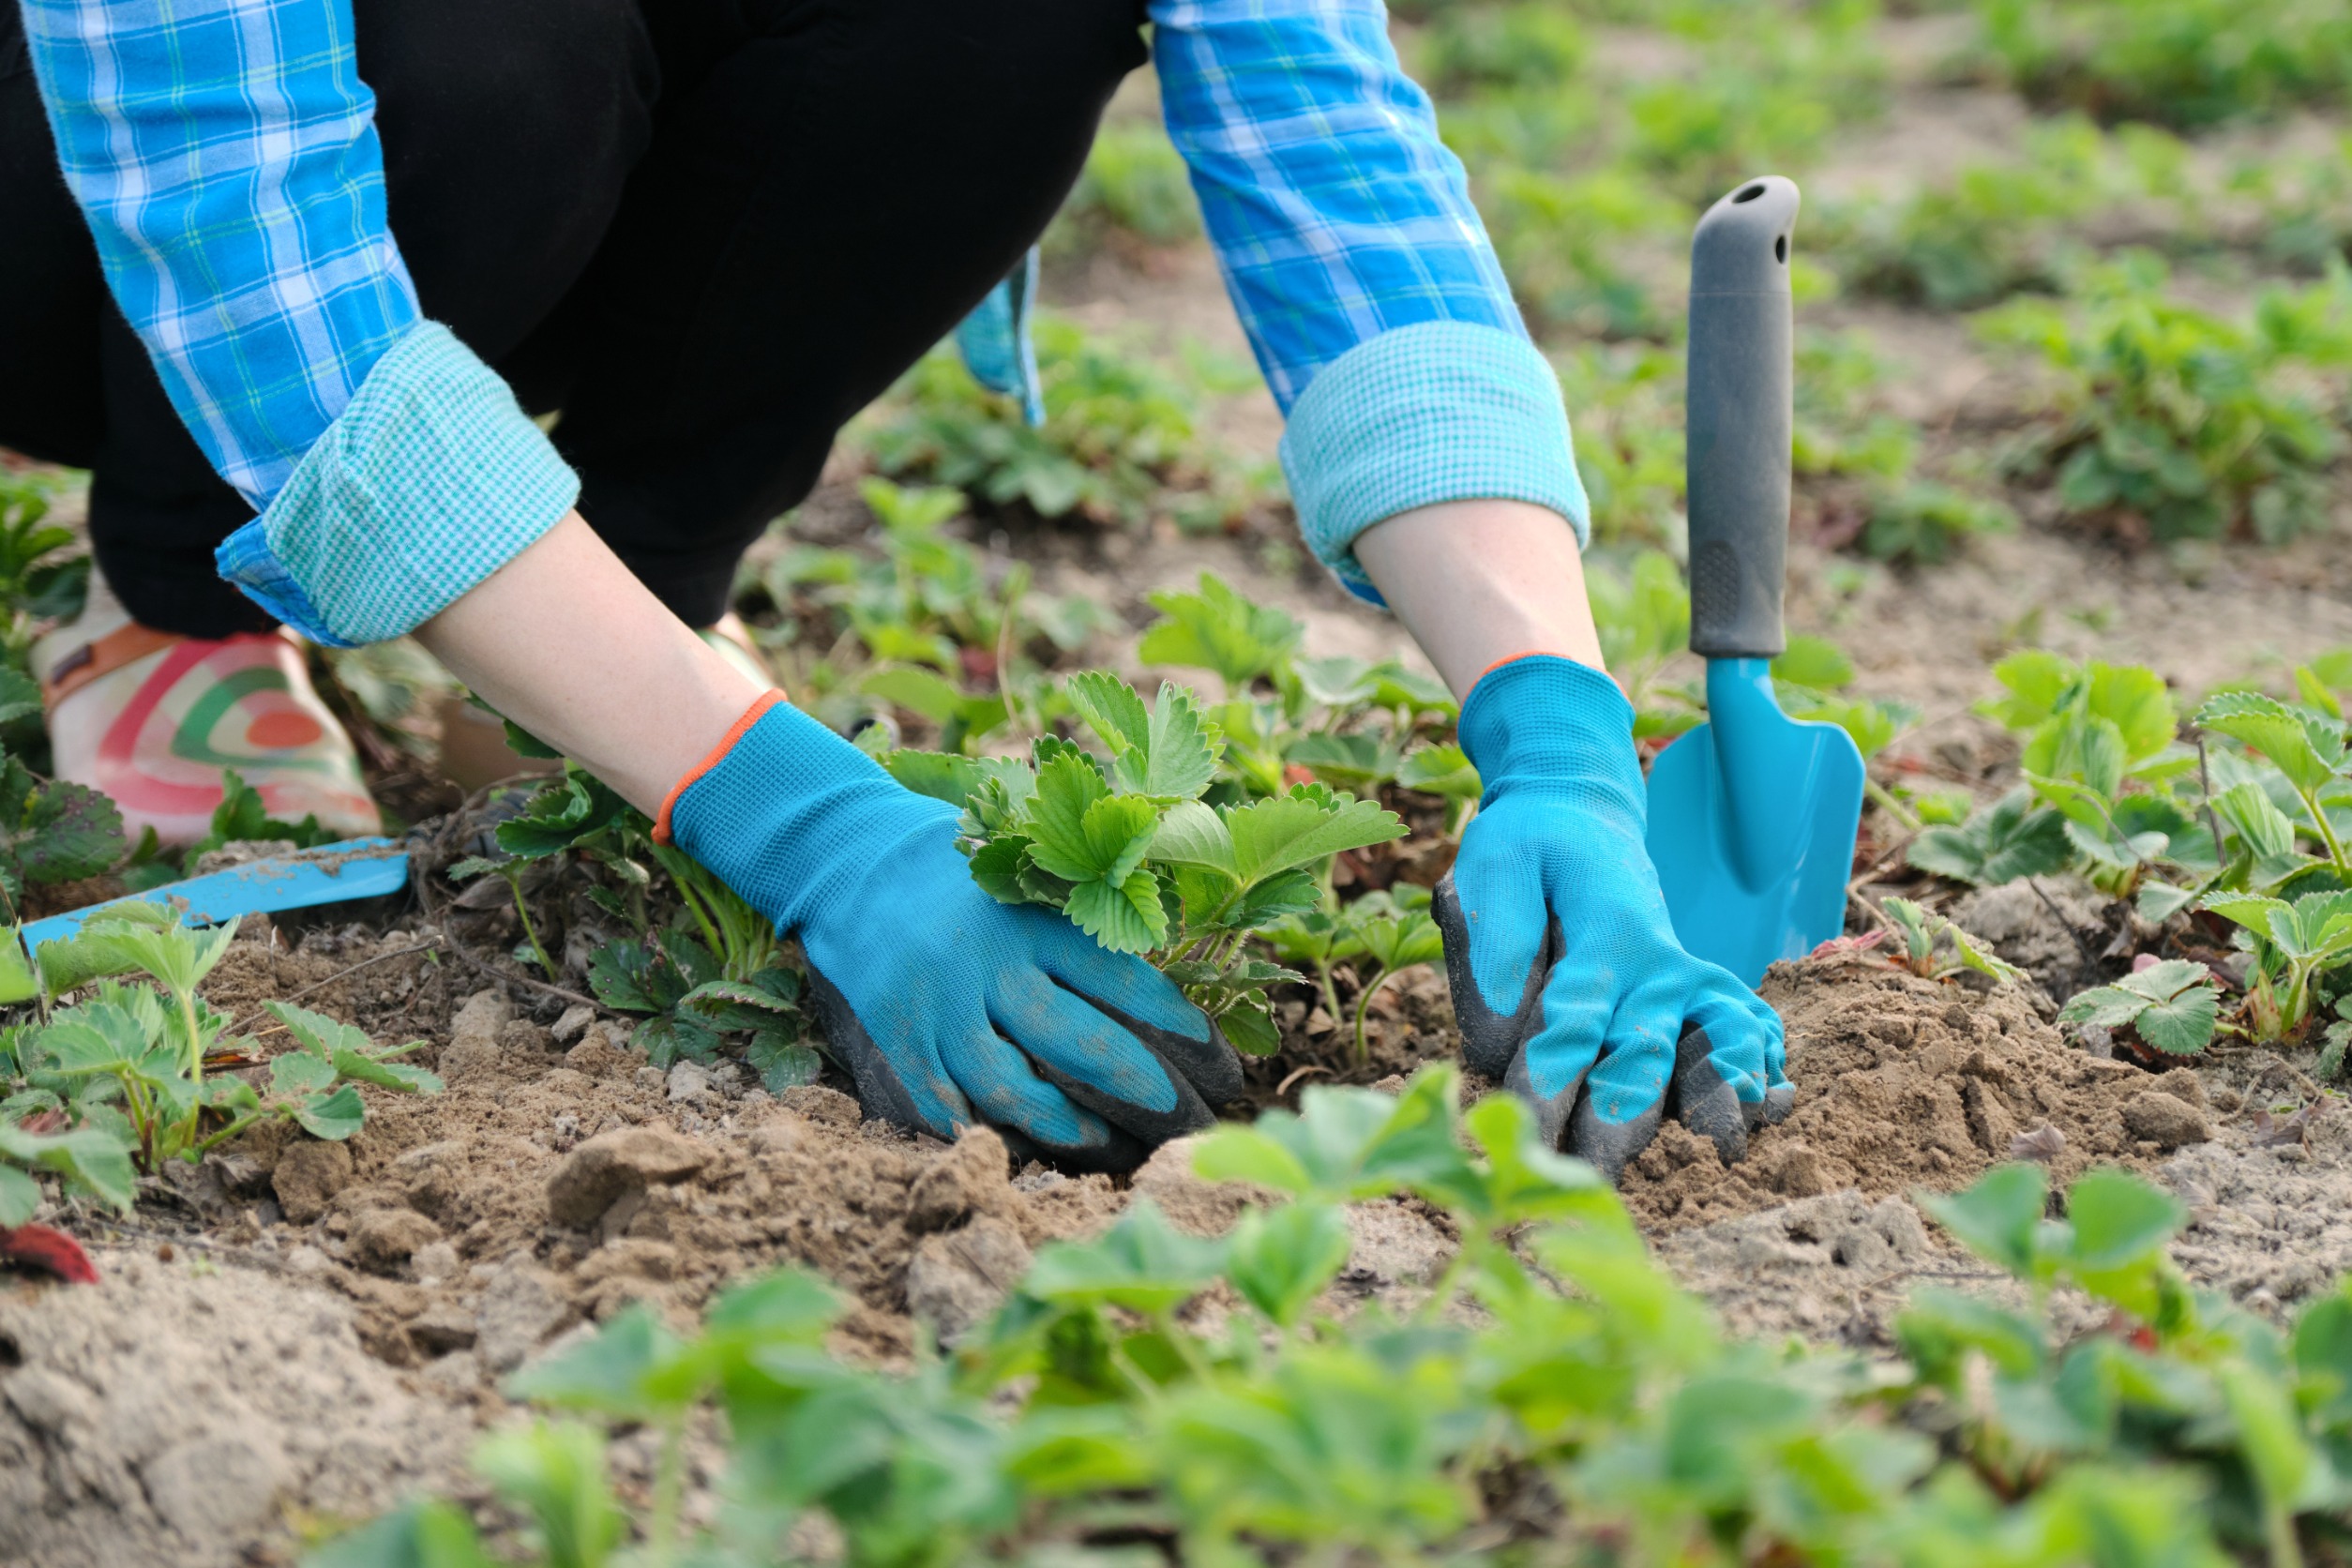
x=1568, y=982
x=948, y=1007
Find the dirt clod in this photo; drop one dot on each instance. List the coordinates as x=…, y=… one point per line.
x=2163, y=1120
x=595, y=1175
x=384, y=1237
x=819, y=1104
x=956, y=1280
x=974, y=1177
x=307, y=1176
x=472, y=1050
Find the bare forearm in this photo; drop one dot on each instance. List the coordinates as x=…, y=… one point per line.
x=567, y=642
x=1478, y=581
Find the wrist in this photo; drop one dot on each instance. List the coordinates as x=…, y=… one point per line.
x=786, y=812
x=1478, y=582
x=1540, y=721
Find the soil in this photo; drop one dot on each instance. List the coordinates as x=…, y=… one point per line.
x=1903, y=1081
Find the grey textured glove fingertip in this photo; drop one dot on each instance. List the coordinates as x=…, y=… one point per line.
x=1490, y=1040
x=1703, y=1102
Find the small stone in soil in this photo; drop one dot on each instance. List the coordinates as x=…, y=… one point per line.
x=575, y=1021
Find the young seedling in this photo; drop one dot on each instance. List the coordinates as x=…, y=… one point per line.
x=2293, y=944
x=1396, y=936
x=1935, y=948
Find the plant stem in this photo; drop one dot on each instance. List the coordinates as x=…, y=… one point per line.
x=195, y=1060
x=1331, y=992
x=1885, y=800
x=2213, y=817
x=2278, y=1523
x=2327, y=833
x=668, y=1486
x=1364, y=1000
x=531, y=932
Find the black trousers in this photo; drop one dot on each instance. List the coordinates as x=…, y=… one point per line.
x=708, y=231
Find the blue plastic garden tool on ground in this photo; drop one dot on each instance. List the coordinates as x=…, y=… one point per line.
x=1752, y=814
x=329, y=874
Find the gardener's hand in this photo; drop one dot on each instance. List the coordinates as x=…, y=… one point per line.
x=948, y=1007
x=1567, y=979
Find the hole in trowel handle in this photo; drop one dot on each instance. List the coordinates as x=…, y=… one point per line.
x=1780, y=248
x=1750, y=194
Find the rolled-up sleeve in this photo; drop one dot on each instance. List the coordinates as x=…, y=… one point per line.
x=1359, y=269
x=225, y=153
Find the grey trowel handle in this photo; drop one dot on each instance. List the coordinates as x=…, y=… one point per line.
x=1739, y=419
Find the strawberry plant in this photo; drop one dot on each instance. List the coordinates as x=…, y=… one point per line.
x=2109, y=789
x=243, y=816
x=1125, y=846
x=1936, y=948
x=1345, y=722
x=1562, y=241
x=1119, y=435
x=2171, y=422
x=1926, y=523
x=1555, y=1395
x=710, y=970
x=1135, y=184
x=52, y=831
x=1998, y=229
x=2293, y=944
x=1378, y=935
x=1628, y=430
x=2170, y=1007
x=931, y=615
x=127, y=1063
x=86, y=1159
x=2012, y=839
x=2187, y=63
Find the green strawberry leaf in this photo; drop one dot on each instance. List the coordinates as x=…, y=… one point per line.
x=2011, y=838
x=2306, y=747
x=1111, y=709
x=1127, y=916
x=1190, y=834
x=1249, y=1027
x=333, y=1117
x=90, y=1156
x=1067, y=786
x=1298, y=829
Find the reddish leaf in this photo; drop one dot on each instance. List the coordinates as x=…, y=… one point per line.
x=50, y=1251
x=1846, y=947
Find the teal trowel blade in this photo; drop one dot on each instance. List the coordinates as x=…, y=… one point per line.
x=329, y=874
x=1751, y=824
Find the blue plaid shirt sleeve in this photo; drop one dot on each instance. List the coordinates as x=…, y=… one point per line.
x=1359, y=269
x=225, y=154
x=1336, y=212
